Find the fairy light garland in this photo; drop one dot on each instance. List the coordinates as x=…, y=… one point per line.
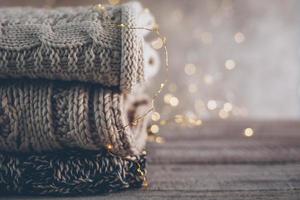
x=163, y=40
x=153, y=131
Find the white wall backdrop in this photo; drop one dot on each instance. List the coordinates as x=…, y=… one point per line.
x=260, y=38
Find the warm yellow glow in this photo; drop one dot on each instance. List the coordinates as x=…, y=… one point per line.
x=114, y=2
x=208, y=79
x=163, y=122
x=167, y=98
x=174, y=101
x=178, y=119
x=192, y=88
x=159, y=140
x=227, y=107
x=155, y=116
x=154, y=128
x=230, y=64
x=198, y=122
x=157, y=43
x=223, y=114
x=109, y=147
x=239, y=37
x=248, y=132
x=211, y=104
x=190, y=69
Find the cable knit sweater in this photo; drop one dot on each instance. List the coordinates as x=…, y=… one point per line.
x=79, y=43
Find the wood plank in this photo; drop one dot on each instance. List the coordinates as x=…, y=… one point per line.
x=213, y=182
x=224, y=177
x=231, y=150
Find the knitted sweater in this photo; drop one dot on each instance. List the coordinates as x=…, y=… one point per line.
x=79, y=43
x=69, y=173
x=39, y=115
x=67, y=78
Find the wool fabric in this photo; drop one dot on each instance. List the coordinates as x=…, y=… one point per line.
x=68, y=98
x=69, y=173
x=38, y=115
x=80, y=43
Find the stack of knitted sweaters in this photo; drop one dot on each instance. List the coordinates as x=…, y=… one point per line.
x=70, y=91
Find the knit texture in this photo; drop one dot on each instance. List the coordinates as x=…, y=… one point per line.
x=68, y=100
x=79, y=43
x=69, y=173
x=39, y=115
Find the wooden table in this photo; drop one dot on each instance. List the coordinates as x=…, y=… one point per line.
x=216, y=161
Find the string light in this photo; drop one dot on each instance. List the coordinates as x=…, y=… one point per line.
x=109, y=146
x=174, y=101
x=114, y=2
x=157, y=43
x=227, y=107
x=167, y=98
x=239, y=37
x=155, y=116
x=211, y=104
x=154, y=128
x=190, y=69
x=208, y=79
x=223, y=114
x=230, y=64
x=248, y=132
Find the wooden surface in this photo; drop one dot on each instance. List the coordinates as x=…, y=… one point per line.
x=216, y=161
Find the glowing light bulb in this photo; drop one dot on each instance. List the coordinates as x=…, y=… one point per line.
x=174, y=101
x=227, y=107
x=223, y=114
x=157, y=43
x=211, y=104
x=190, y=69
x=239, y=37
x=154, y=128
x=208, y=79
x=230, y=64
x=155, y=116
x=248, y=132
x=109, y=147
x=167, y=98
x=114, y=2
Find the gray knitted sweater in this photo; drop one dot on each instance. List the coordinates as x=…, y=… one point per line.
x=73, y=44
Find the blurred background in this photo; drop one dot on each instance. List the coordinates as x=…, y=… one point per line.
x=229, y=59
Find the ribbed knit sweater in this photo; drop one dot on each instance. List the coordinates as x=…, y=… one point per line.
x=38, y=115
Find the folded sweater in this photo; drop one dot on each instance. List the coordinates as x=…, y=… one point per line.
x=67, y=81
x=78, y=43
x=41, y=115
x=69, y=173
